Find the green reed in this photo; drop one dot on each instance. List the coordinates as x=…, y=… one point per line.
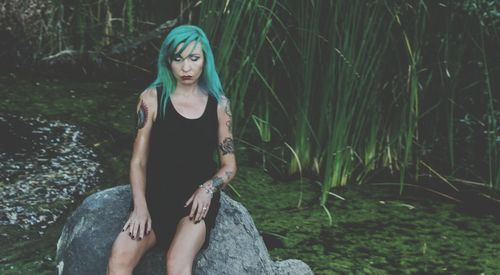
x=238, y=30
x=343, y=87
x=450, y=69
x=129, y=9
x=491, y=120
x=413, y=46
x=307, y=15
x=349, y=121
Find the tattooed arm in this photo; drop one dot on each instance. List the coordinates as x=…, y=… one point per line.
x=226, y=147
x=146, y=108
x=201, y=199
x=139, y=222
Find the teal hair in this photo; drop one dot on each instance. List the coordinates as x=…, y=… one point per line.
x=209, y=79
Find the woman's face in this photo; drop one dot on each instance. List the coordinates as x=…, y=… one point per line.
x=188, y=66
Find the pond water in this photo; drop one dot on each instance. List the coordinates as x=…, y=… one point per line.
x=43, y=166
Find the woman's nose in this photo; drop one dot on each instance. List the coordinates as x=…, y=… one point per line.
x=185, y=66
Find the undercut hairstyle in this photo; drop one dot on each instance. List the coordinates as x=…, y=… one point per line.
x=209, y=79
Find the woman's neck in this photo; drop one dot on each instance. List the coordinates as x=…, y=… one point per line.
x=188, y=90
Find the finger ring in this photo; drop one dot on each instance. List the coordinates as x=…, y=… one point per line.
x=204, y=208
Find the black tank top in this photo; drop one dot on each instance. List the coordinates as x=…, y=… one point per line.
x=182, y=149
x=181, y=157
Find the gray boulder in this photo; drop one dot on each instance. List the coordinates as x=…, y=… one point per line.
x=235, y=248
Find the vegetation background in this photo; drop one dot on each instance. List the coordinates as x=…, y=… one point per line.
x=340, y=105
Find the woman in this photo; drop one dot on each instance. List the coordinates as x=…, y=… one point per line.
x=182, y=119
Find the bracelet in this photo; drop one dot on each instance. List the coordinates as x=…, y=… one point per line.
x=209, y=190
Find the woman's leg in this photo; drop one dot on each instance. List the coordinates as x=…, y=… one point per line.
x=188, y=240
x=126, y=252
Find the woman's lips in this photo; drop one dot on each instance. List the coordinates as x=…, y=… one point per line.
x=186, y=77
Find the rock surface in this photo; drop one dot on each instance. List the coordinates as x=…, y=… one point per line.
x=235, y=248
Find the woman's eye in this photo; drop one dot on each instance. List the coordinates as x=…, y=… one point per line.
x=177, y=59
x=195, y=58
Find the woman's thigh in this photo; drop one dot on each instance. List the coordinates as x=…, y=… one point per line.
x=128, y=251
x=188, y=240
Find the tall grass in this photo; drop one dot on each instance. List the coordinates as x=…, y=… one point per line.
x=344, y=88
x=450, y=70
x=239, y=29
x=354, y=83
x=491, y=119
x=350, y=95
x=93, y=24
x=414, y=48
x=129, y=9
x=307, y=15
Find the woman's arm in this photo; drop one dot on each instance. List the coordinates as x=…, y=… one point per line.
x=227, y=158
x=139, y=221
x=200, y=198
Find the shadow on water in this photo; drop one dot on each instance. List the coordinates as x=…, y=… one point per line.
x=16, y=137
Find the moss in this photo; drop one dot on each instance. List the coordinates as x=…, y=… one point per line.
x=27, y=252
x=374, y=230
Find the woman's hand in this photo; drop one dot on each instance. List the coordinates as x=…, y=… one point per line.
x=201, y=202
x=139, y=223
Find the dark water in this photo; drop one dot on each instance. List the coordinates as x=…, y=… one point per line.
x=41, y=170
x=16, y=137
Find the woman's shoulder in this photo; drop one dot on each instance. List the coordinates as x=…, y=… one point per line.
x=149, y=95
x=223, y=108
x=223, y=102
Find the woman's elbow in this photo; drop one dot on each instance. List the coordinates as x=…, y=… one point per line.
x=137, y=164
x=233, y=168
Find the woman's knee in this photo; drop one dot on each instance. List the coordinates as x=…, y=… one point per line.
x=122, y=257
x=178, y=266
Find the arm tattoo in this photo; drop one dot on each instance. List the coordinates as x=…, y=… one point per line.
x=217, y=182
x=142, y=115
x=229, y=123
x=227, y=146
x=227, y=109
x=229, y=174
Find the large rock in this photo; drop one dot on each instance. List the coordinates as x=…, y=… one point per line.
x=235, y=248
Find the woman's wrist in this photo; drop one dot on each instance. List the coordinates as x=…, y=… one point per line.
x=217, y=183
x=208, y=189
x=139, y=203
